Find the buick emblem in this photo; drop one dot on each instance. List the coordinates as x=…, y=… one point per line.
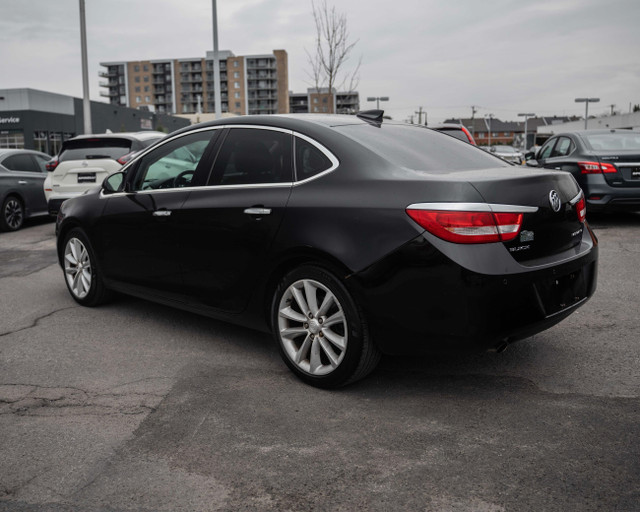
x=554, y=201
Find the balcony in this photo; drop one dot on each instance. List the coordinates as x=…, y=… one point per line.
x=107, y=74
x=110, y=94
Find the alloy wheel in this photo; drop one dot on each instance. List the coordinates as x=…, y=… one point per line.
x=13, y=214
x=77, y=268
x=313, y=327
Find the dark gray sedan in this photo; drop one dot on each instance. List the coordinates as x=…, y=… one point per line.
x=22, y=173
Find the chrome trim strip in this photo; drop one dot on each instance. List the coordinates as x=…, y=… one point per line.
x=576, y=199
x=193, y=189
x=623, y=164
x=474, y=207
x=334, y=161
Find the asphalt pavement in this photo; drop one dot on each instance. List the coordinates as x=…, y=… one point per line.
x=134, y=406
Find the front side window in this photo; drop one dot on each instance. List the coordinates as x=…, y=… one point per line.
x=253, y=156
x=545, y=152
x=174, y=164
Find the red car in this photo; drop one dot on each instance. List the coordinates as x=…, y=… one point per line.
x=455, y=130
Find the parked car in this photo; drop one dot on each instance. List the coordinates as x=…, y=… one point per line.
x=345, y=236
x=605, y=163
x=455, y=130
x=22, y=173
x=508, y=153
x=85, y=161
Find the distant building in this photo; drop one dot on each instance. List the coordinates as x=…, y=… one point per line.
x=629, y=121
x=493, y=131
x=40, y=120
x=250, y=84
x=323, y=101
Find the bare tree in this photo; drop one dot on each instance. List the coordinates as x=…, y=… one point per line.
x=332, y=50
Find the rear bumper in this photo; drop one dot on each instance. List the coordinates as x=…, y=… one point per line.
x=603, y=197
x=419, y=301
x=54, y=205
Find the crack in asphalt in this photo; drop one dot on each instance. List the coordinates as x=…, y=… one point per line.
x=36, y=321
x=36, y=400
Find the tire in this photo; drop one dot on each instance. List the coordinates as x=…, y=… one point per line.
x=81, y=272
x=12, y=215
x=321, y=332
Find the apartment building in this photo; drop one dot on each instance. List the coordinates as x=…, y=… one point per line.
x=249, y=84
x=323, y=101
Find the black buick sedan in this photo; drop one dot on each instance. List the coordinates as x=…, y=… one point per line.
x=345, y=236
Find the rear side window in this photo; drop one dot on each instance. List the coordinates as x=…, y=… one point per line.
x=20, y=163
x=563, y=147
x=309, y=160
x=253, y=156
x=94, y=149
x=420, y=148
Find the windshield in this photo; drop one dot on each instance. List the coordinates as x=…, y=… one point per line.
x=87, y=149
x=419, y=148
x=613, y=140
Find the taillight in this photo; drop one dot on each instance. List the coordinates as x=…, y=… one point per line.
x=596, y=168
x=581, y=209
x=51, y=164
x=125, y=158
x=469, y=227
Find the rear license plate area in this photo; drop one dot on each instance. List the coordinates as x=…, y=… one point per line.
x=561, y=292
x=86, y=177
x=635, y=173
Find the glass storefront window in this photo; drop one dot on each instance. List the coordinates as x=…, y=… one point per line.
x=40, y=141
x=12, y=139
x=55, y=141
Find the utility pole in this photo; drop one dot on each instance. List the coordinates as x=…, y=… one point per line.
x=86, y=101
x=419, y=112
x=612, y=105
x=411, y=119
x=473, y=125
x=526, y=116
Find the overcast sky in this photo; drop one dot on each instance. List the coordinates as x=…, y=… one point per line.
x=504, y=56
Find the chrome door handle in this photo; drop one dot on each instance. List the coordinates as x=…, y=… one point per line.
x=162, y=213
x=258, y=211
x=22, y=182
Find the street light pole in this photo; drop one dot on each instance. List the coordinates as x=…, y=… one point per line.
x=86, y=101
x=490, y=116
x=216, y=63
x=586, y=101
x=378, y=99
x=526, y=116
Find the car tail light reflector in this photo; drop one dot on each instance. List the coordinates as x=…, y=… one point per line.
x=125, y=158
x=596, y=168
x=469, y=227
x=581, y=208
x=51, y=164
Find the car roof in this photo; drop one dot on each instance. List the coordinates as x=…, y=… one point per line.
x=8, y=151
x=452, y=126
x=146, y=135
x=595, y=132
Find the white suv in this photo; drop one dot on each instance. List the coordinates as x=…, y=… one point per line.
x=85, y=161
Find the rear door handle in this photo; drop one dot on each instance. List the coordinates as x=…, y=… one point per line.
x=22, y=182
x=162, y=213
x=257, y=211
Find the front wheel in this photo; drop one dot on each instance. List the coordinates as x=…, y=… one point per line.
x=82, y=276
x=321, y=332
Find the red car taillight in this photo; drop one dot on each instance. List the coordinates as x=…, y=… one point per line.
x=469, y=227
x=125, y=158
x=596, y=168
x=51, y=164
x=581, y=209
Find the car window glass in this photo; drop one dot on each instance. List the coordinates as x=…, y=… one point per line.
x=613, y=140
x=42, y=162
x=96, y=149
x=545, y=152
x=20, y=163
x=309, y=160
x=252, y=156
x=562, y=147
x=172, y=165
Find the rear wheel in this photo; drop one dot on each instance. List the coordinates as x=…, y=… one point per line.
x=321, y=332
x=12, y=216
x=81, y=272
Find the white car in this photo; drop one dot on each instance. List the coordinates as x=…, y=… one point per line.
x=508, y=153
x=85, y=161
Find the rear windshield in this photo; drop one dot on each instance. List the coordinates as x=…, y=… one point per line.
x=613, y=141
x=88, y=149
x=419, y=148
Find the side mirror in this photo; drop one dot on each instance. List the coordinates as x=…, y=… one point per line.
x=113, y=183
x=493, y=150
x=532, y=163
